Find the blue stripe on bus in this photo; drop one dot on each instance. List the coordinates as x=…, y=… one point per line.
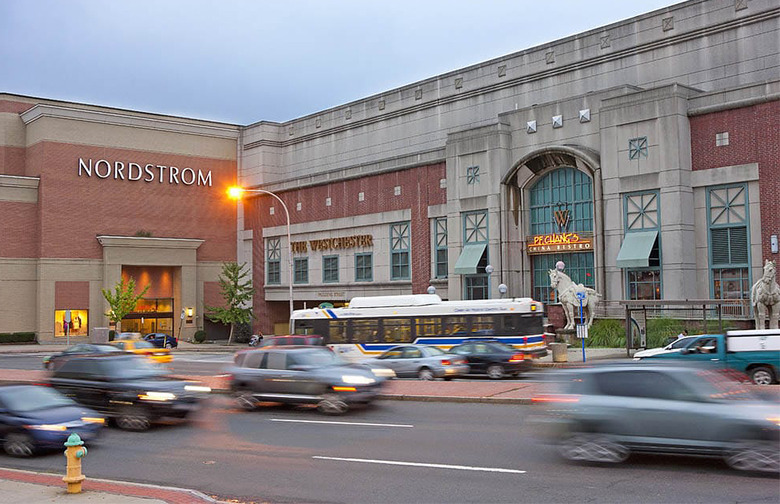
x=331, y=314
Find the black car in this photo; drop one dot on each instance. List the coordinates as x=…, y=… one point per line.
x=128, y=388
x=493, y=358
x=56, y=360
x=303, y=375
x=33, y=417
x=162, y=340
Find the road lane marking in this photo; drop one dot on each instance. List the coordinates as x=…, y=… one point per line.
x=341, y=423
x=419, y=464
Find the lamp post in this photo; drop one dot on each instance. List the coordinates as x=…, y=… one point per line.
x=489, y=271
x=236, y=193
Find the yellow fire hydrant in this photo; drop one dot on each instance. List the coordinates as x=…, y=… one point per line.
x=74, y=452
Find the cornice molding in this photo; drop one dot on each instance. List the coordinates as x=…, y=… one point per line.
x=144, y=242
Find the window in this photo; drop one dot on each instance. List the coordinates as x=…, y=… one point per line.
x=475, y=231
x=472, y=175
x=440, y=247
x=71, y=323
x=273, y=258
x=301, y=270
x=727, y=209
x=565, y=189
x=400, y=246
x=364, y=267
x=579, y=267
x=637, y=148
x=330, y=269
x=642, y=213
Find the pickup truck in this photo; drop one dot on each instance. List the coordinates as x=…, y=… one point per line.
x=755, y=353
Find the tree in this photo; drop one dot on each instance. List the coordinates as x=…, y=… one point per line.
x=237, y=291
x=122, y=301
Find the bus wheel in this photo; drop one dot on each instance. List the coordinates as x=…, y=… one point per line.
x=425, y=374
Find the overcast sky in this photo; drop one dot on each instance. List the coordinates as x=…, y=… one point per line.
x=242, y=61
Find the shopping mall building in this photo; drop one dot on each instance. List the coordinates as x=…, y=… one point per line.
x=643, y=154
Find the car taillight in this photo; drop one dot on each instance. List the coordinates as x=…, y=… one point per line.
x=555, y=398
x=446, y=362
x=517, y=358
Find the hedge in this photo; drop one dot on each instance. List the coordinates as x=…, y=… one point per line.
x=18, y=337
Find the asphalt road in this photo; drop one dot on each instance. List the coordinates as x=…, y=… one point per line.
x=391, y=452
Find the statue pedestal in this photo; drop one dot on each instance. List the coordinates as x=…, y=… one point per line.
x=566, y=336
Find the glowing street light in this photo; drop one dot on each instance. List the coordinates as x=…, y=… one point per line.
x=237, y=193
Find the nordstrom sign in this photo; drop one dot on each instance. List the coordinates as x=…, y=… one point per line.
x=119, y=170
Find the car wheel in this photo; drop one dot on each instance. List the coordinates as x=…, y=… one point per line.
x=425, y=374
x=762, y=375
x=592, y=447
x=754, y=456
x=134, y=418
x=168, y=345
x=448, y=378
x=495, y=371
x=331, y=404
x=246, y=401
x=18, y=444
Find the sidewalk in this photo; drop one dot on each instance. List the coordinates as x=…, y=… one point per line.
x=32, y=488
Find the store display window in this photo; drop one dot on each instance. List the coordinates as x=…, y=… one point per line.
x=71, y=322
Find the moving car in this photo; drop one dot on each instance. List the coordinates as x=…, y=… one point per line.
x=301, y=375
x=128, y=388
x=56, y=360
x=493, y=358
x=293, y=339
x=33, y=417
x=674, y=346
x=755, y=353
x=162, y=340
x=421, y=361
x=602, y=414
x=146, y=349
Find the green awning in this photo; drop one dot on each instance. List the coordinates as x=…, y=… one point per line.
x=469, y=258
x=635, y=252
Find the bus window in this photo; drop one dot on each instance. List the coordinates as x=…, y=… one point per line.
x=456, y=325
x=483, y=324
x=365, y=330
x=337, y=331
x=397, y=330
x=530, y=324
x=429, y=326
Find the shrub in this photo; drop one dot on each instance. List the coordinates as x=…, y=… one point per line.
x=242, y=333
x=606, y=333
x=200, y=336
x=111, y=335
x=18, y=337
x=661, y=330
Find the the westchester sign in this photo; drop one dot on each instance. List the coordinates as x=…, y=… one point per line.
x=118, y=170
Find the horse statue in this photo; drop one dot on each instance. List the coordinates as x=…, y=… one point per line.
x=765, y=297
x=567, y=295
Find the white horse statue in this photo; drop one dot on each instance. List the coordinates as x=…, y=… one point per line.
x=765, y=297
x=567, y=295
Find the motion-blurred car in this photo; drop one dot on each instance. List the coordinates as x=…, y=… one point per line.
x=421, y=361
x=604, y=413
x=34, y=418
x=301, y=375
x=493, y=358
x=293, y=339
x=161, y=340
x=56, y=360
x=674, y=346
x=128, y=388
x=148, y=350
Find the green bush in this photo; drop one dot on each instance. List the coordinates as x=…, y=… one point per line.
x=606, y=333
x=661, y=330
x=18, y=337
x=242, y=333
x=111, y=335
x=200, y=336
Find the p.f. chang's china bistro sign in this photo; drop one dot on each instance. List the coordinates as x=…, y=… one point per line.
x=559, y=242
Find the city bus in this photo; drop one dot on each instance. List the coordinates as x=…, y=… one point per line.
x=370, y=325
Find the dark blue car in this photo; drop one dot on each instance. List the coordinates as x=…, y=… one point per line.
x=34, y=418
x=161, y=340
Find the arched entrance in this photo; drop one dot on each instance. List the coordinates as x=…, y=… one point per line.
x=555, y=197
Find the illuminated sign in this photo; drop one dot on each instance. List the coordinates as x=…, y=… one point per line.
x=333, y=243
x=119, y=170
x=562, y=218
x=559, y=242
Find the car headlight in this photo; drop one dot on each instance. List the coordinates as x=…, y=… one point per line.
x=774, y=420
x=157, y=396
x=383, y=372
x=197, y=388
x=357, y=380
x=47, y=427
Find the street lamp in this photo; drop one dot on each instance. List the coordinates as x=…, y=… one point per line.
x=489, y=271
x=237, y=193
x=502, y=288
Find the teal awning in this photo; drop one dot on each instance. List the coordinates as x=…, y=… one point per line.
x=469, y=258
x=635, y=252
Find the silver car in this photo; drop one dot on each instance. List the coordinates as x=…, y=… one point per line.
x=421, y=361
x=302, y=375
x=603, y=414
